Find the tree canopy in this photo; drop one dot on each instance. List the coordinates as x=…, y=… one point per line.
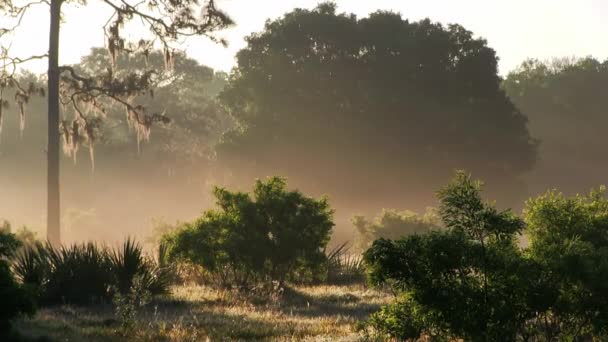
x=566, y=103
x=390, y=105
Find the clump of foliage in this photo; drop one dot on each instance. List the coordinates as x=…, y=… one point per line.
x=269, y=235
x=24, y=235
x=393, y=224
x=472, y=281
x=568, y=240
x=15, y=298
x=85, y=273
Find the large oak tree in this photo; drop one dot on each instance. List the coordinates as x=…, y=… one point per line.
x=372, y=109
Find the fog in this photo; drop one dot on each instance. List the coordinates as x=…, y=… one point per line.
x=366, y=139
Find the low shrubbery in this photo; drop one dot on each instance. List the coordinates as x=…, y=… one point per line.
x=254, y=239
x=473, y=281
x=393, y=224
x=87, y=273
x=15, y=299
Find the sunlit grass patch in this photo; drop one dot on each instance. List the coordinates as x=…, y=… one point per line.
x=198, y=313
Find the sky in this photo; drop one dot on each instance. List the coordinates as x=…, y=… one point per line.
x=516, y=29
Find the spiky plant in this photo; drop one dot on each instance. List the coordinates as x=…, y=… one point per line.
x=79, y=274
x=130, y=262
x=344, y=267
x=126, y=263
x=31, y=265
x=85, y=273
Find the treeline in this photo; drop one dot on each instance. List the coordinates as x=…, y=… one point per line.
x=331, y=100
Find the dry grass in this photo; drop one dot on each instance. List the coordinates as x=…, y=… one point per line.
x=194, y=313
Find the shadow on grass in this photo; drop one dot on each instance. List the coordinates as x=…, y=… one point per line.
x=300, y=303
x=160, y=321
x=300, y=313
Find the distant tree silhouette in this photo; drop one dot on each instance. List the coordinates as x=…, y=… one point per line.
x=371, y=108
x=566, y=102
x=167, y=20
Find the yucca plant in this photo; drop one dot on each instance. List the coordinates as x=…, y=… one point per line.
x=85, y=273
x=31, y=265
x=130, y=262
x=79, y=274
x=126, y=263
x=344, y=267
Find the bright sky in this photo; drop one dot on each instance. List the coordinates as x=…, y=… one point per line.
x=516, y=29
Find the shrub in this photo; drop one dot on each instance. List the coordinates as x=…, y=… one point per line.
x=127, y=304
x=271, y=234
x=473, y=282
x=84, y=273
x=568, y=239
x=402, y=319
x=468, y=281
x=393, y=224
x=15, y=299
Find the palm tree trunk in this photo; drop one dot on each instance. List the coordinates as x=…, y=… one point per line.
x=53, y=196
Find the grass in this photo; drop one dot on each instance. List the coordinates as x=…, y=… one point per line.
x=196, y=313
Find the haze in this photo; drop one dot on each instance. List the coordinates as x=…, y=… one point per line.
x=127, y=190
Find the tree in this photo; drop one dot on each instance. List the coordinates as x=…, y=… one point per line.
x=168, y=21
x=189, y=89
x=331, y=100
x=565, y=102
x=269, y=235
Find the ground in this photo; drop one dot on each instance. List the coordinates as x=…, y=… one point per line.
x=196, y=313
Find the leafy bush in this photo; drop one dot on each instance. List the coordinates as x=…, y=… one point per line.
x=15, y=299
x=269, y=235
x=472, y=281
x=392, y=224
x=568, y=239
x=85, y=273
x=468, y=281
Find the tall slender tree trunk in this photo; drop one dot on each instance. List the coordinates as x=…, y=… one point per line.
x=53, y=196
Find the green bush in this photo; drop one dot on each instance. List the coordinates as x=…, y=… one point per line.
x=393, y=224
x=568, y=238
x=15, y=299
x=85, y=273
x=468, y=281
x=269, y=235
x=472, y=281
